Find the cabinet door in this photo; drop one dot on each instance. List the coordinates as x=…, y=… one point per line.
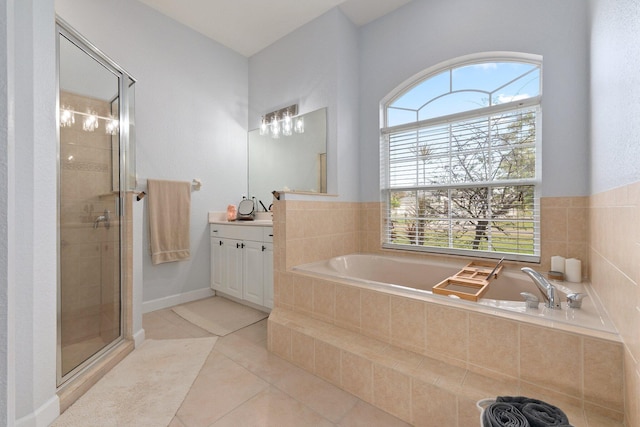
x=232, y=268
x=252, y=272
x=267, y=259
x=217, y=264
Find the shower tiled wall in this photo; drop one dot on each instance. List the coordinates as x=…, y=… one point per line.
x=614, y=251
x=89, y=257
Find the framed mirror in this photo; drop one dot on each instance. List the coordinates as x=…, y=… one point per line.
x=289, y=163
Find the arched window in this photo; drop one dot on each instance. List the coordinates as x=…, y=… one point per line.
x=460, y=158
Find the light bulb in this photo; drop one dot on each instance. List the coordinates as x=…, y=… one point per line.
x=90, y=122
x=287, y=125
x=67, y=117
x=299, y=126
x=111, y=127
x=264, y=128
x=275, y=128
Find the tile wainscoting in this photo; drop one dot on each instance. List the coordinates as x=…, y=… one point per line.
x=308, y=231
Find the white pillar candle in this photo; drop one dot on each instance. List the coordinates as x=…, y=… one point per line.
x=557, y=263
x=573, y=270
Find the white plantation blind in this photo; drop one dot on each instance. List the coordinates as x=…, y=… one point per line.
x=465, y=183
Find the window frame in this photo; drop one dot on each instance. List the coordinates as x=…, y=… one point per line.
x=534, y=103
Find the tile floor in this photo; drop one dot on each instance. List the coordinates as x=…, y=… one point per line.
x=242, y=384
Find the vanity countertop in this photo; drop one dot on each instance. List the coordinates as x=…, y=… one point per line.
x=263, y=219
x=254, y=223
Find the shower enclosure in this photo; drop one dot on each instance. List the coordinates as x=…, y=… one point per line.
x=95, y=105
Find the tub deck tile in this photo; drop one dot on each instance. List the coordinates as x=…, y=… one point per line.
x=401, y=382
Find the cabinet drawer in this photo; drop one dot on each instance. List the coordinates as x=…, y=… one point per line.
x=239, y=232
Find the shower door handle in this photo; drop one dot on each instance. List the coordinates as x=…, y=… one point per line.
x=106, y=218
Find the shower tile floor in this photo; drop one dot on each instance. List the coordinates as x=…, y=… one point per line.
x=242, y=384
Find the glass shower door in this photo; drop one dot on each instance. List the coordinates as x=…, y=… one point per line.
x=89, y=217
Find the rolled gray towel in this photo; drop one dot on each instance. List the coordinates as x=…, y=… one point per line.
x=537, y=412
x=503, y=415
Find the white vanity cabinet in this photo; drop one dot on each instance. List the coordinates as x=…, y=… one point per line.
x=242, y=262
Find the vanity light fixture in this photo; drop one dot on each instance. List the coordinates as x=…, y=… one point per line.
x=299, y=126
x=264, y=127
x=275, y=128
x=287, y=125
x=282, y=122
x=111, y=127
x=90, y=122
x=67, y=117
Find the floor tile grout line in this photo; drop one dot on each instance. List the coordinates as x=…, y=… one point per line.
x=194, y=380
x=238, y=405
x=250, y=398
x=253, y=338
x=273, y=384
x=310, y=408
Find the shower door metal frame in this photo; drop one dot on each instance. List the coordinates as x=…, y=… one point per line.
x=125, y=81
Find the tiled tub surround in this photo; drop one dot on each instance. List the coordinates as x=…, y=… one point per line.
x=409, y=277
x=329, y=320
x=312, y=231
x=614, y=228
x=326, y=326
x=425, y=390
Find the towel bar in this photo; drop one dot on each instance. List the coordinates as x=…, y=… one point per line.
x=141, y=188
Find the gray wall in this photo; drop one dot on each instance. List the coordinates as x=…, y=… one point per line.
x=28, y=199
x=426, y=32
x=191, y=118
x=615, y=94
x=7, y=365
x=315, y=66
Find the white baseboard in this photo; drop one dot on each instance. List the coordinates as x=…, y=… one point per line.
x=42, y=416
x=138, y=338
x=170, y=301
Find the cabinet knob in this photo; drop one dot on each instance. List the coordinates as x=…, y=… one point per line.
x=264, y=248
x=220, y=242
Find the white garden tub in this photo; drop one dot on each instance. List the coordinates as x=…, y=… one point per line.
x=404, y=276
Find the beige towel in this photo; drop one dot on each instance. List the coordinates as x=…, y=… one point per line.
x=169, y=213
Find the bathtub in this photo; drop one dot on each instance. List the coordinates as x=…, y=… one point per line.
x=414, y=279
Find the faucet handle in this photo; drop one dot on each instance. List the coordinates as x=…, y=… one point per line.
x=531, y=300
x=574, y=300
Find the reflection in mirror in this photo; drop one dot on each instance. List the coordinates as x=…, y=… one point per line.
x=289, y=163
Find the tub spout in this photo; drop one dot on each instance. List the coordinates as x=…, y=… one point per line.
x=531, y=300
x=547, y=289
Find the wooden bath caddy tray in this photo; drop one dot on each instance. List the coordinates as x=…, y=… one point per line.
x=471, y=282
x=479, y=270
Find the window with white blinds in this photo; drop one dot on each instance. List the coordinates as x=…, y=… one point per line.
x=465, y=181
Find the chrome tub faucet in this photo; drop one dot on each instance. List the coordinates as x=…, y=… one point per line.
x=548, y=290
